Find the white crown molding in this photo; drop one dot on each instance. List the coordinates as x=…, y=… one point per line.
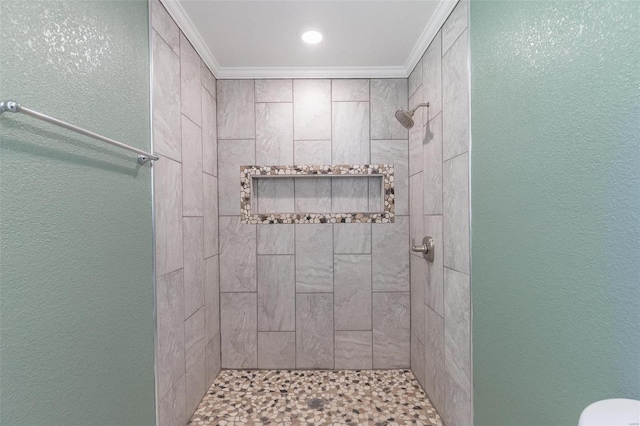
x=310, y=72
x=442, y=12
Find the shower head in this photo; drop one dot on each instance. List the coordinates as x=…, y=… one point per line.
x=406, y=117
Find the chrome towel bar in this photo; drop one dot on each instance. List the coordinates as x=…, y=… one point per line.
x=13, y=106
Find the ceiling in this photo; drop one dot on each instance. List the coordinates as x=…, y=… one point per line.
x=261, y=39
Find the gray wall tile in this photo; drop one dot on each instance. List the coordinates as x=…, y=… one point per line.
x=237, y=255
x=432, y=151
x=231, y=155
x=276, y=293
x=390, y=250
x=212, y=360
x=193, y=265
x=456, y=213
x=172, y=408
x=190, y=82
x=211, y=297
x=416, y=207
x=195, y=360
x=274, y=91
x=350, y=132
x=457, y=329
x=354, y=350
x=455, y=99
x=274, y=133
x=312, y=109
x=395, y=152
x=455, y=25
x=312, y=152
x=191, y=168
x=209, y=135
x=167, y=29
x=432, y=76
x=236, y=109
x=416, y=136
x=352, y=89
x=434, y=290
x=387, y=96
x=276, y=239
x=313, y=195
x=418, y=283
x=434, y=359
x=210, y=211
x=167, y=183
x=391, y=333
x=274, y=196
x=208, y=80
x=314, y=331
x=239, y=330
x=457, y=406
x=351, y=238
x=277, y=349
x=314, y=258
x=349, y=195
x=415, y=78
x=418, y=359
x=352, y=292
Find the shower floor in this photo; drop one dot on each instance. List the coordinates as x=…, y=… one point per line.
x=293, y=397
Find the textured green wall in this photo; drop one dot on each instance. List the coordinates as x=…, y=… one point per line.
x=76, y=286
x=555, y=179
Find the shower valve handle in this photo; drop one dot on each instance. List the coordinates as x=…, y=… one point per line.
x=427, y=248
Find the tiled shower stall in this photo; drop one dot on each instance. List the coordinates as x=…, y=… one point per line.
x=310, y=296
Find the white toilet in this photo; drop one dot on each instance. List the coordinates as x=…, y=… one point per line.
x=611, y=412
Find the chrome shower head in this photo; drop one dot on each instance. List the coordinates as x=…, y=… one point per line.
x=406, y=117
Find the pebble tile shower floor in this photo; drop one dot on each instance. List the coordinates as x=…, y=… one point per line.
x=318, y=397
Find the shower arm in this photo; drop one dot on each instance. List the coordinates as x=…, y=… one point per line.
x=418, y=106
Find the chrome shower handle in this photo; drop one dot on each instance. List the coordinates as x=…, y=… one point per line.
x=427, y=248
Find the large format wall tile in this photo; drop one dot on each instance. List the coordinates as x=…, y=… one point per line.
x=390, y=250
x=455, y=99
x=418, y=359
x=172, y=408
x=432, y=158
x=210, y=211
x=350, y=132
x=211, y=298
x=312, y=152
x=274, y=91
x=239, y=330
x=352, y=238
x=395, y=152
x=455, y=197
x=456, y=409
x=416, y=206
x=351, y=90
x=354, y=350
x=418, y=283
x=314, y=258
x=208, y=80
x=236, y=109
x=193, y=265
x=195, y=360
x=387, y=96
x=209, y=134
x=190, y=82
x=212, y=360
x=274, y=196
x=433, y=293
x=276, y=293
x=391, y=333
x=167, y=183
x=166, y=97
x=231, y=155
x=237, y=255
x=313, y=195
x=434, y=358
x=349, y=195
x=164, y=25
x=191, y=168
x=352, y=292
x=170, y=317
x=277, y=349
x=276, y=239
x=274, y=134
x=455, y=25
x=416, y=136
x=312, y=109
x=314, y=331
x=457, y=329
x=432, y=77
x=415, y=78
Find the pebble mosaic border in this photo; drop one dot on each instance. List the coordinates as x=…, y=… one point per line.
x=384, y=170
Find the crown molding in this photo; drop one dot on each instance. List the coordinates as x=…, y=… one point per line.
x=310, y=72
x=442, y=12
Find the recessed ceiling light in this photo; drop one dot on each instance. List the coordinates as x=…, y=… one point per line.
x=312, y=37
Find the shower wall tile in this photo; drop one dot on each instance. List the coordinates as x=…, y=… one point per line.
x=172, y=409
x=193, y=265
x=418, y=283
x=432, y=158
x=190, y=82
x=167, y=185
x=212, y=360
x=312, y=109
x=349, y=195
x=416, y=136
x=274, y=91
x=312, y=152
x=236, y=109
x=313, y=195
x=195, y=360
x=231, y=155
x=418, y=359
x=277, y=350
x=274, y=133
x=170, y=317
x=354, y=350
x=434, y=290
x=275, y=196
x=239, y=330
x=434, y=359
x=351, y=90
x=352, y=292
x=276, y=239
x=164, y=25
x=237, y=255
x=314, y=331
x=376, y=198
x=455, y=99
x=432, y=77
x=208, y=80
x=276, y=293
x=455, y=24
x=352, y=238
x=391, y=333
x=211, y=298
x=387, y=96
x=416, y=206
x=191, y=168
x=350, y=133
x=390, y=251
x=314, y=258
x=415, y=78
x=457, y=329
x=456, y=409
x=395, y=152
x=210, y=211
x=166, y=95
x=456, y=213
x=209, y=134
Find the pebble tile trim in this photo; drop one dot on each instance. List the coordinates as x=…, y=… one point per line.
x=383, y=170
x=317, y=397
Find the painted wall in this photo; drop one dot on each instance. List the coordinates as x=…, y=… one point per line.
x=439, y=207
x=556, y=208
x=312, y=295
x=76, y=290
x=186, y=206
